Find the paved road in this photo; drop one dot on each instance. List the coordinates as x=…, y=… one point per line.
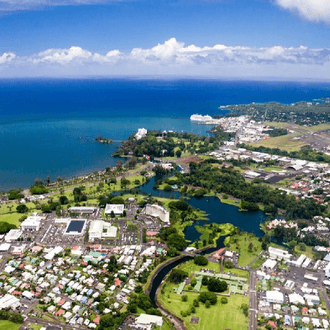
x=253, y=300
x=31, y=320
x=325, y=297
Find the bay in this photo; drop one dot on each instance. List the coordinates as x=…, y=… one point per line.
x=48, y=126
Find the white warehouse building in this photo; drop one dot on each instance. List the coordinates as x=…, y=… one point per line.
x=279, y=254
x=275, y=297
x=117, y=209
x=158, y=212
x=101, y=229
x=32, y=223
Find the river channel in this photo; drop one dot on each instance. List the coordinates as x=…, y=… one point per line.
x=217, y=211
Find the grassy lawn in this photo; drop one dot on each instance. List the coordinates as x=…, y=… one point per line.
x=190, y=266
x=219, y=316
x=240, y=243
x=277, y=124
x=226, y=229
x=273, y=168
x=284, y=142
x=238, y=272
x=35, y=326
x=11, y=218
x=309, y=251
x=258, y=263
x=7, y=325
x=230, y=201
x=318, y=128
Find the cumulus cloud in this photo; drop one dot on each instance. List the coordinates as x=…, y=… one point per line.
x=13, y=5
x=7, y=57
x=313, y=10
x=172, y=56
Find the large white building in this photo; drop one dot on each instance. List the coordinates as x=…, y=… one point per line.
x=148, y=320
x=296, y=298
x=279, y=254
x=158, y=211
x=56, y=250
x=275, y=297
x=101, y=229
x=13, y=235
x=9, y=301
x=32, y=223
x=82, y=209
x=117, y=209
x=269, y=265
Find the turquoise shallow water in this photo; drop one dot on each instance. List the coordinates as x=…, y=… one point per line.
x=47, y=127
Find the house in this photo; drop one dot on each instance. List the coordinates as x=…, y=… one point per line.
x=272, y=324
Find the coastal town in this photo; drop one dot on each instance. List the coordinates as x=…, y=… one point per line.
x=109, y=250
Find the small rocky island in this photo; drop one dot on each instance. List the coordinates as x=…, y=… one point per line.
x=101, y=139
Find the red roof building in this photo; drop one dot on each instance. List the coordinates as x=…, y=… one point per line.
x=118, y=281
x=60, y=312
x=272, y=324
x=97, y=320
x=61, y=302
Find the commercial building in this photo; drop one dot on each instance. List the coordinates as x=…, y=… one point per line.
x=4, y=247
x=149, y=320
x=313, y=299
x=299, y=261
x=158, y=211
x=269, y=265
x=32, y=223
x=9, y=301
x=56, y=250
x=13, y=235
x=275, y=297
x=117, y=209
x=279, y=254
x=101, y=229
x=296, y=299
x=82, y=209
x=75, y=227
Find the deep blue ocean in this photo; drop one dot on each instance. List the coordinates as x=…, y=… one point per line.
x=48, y=126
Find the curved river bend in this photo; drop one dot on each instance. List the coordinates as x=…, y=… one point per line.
x=217, y=213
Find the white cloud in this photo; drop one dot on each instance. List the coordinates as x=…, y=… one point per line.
x=171, y=57
x=313, y=10
x=7, y=57
x=62, y=56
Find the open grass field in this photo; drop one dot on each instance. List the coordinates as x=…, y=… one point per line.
x=190, y=266
x=309, y=251
x=258, y=263
x=35, y=326
x=318, y=128
x=285, y=142
x=12, y=218
x=7, y=325
x=236, y=271
x=206, y=230
x=277, y=124
x=240, y=243
x=219, y=316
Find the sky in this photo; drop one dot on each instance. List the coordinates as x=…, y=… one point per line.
x=271, y=39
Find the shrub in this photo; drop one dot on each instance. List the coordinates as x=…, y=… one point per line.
x=224, y=300
x=201, y=261
x=208, y=296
